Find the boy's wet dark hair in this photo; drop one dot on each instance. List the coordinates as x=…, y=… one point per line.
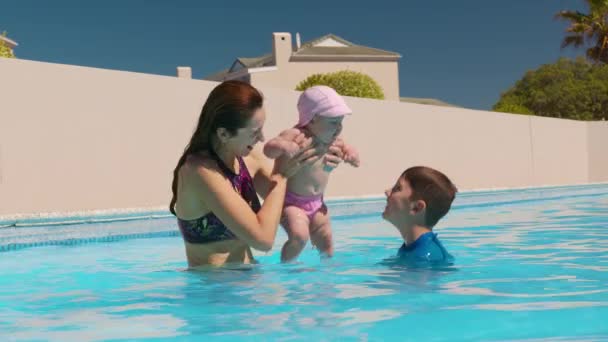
x=432, y=187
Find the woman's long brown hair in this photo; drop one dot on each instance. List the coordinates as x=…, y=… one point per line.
x=230, y=105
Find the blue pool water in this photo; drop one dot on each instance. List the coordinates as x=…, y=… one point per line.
x=530, y=265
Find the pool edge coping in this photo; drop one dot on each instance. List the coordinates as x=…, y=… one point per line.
x=158, y=212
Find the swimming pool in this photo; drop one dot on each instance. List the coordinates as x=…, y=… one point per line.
x=530, y=264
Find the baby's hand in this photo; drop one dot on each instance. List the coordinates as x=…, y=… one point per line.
x=334, y=155
x=351, y=156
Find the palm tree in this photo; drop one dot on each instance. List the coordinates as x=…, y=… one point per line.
x=588, y=29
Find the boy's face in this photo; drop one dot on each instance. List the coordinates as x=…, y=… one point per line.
x=400, y=209
x=326, y=129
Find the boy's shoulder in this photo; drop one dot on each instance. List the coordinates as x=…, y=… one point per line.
x=426, y=249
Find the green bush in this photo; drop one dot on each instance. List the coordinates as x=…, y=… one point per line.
x=569, y=89
x=511, y=106
x=346, y=83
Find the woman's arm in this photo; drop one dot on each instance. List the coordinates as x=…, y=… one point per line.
x=261, y=166
x=257, y=230
x=261, y=171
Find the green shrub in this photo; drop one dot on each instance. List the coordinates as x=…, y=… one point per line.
x=569, y=89
x=346, y=83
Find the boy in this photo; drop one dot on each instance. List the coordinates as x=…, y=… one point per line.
x=419, y=199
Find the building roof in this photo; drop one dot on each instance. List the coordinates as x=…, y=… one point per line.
x=244, y=62
x=11, y=43
x=257, y=62
x=427, y=101
x=332, y=45
x=218, y=76
x=327, y=46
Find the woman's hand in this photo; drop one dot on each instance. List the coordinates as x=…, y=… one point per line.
x=299, y=143
x=287, y=166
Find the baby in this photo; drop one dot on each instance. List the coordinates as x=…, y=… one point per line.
x=305, y=215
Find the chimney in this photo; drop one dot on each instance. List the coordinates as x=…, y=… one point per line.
x=184, y=72
x=298, y=43
x=282, y=48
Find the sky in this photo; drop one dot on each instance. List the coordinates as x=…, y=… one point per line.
x=464, y=52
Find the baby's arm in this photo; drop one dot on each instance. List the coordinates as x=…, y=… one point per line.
x=282, y=144
x=351, y=155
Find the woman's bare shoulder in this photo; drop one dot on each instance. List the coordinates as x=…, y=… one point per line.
x=198, y=161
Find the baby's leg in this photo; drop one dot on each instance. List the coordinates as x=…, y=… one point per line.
x=296, y=225
x=320, y=232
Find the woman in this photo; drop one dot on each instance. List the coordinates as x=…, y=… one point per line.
x=217, y=177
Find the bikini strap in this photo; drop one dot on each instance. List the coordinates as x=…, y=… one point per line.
x=223, y=166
